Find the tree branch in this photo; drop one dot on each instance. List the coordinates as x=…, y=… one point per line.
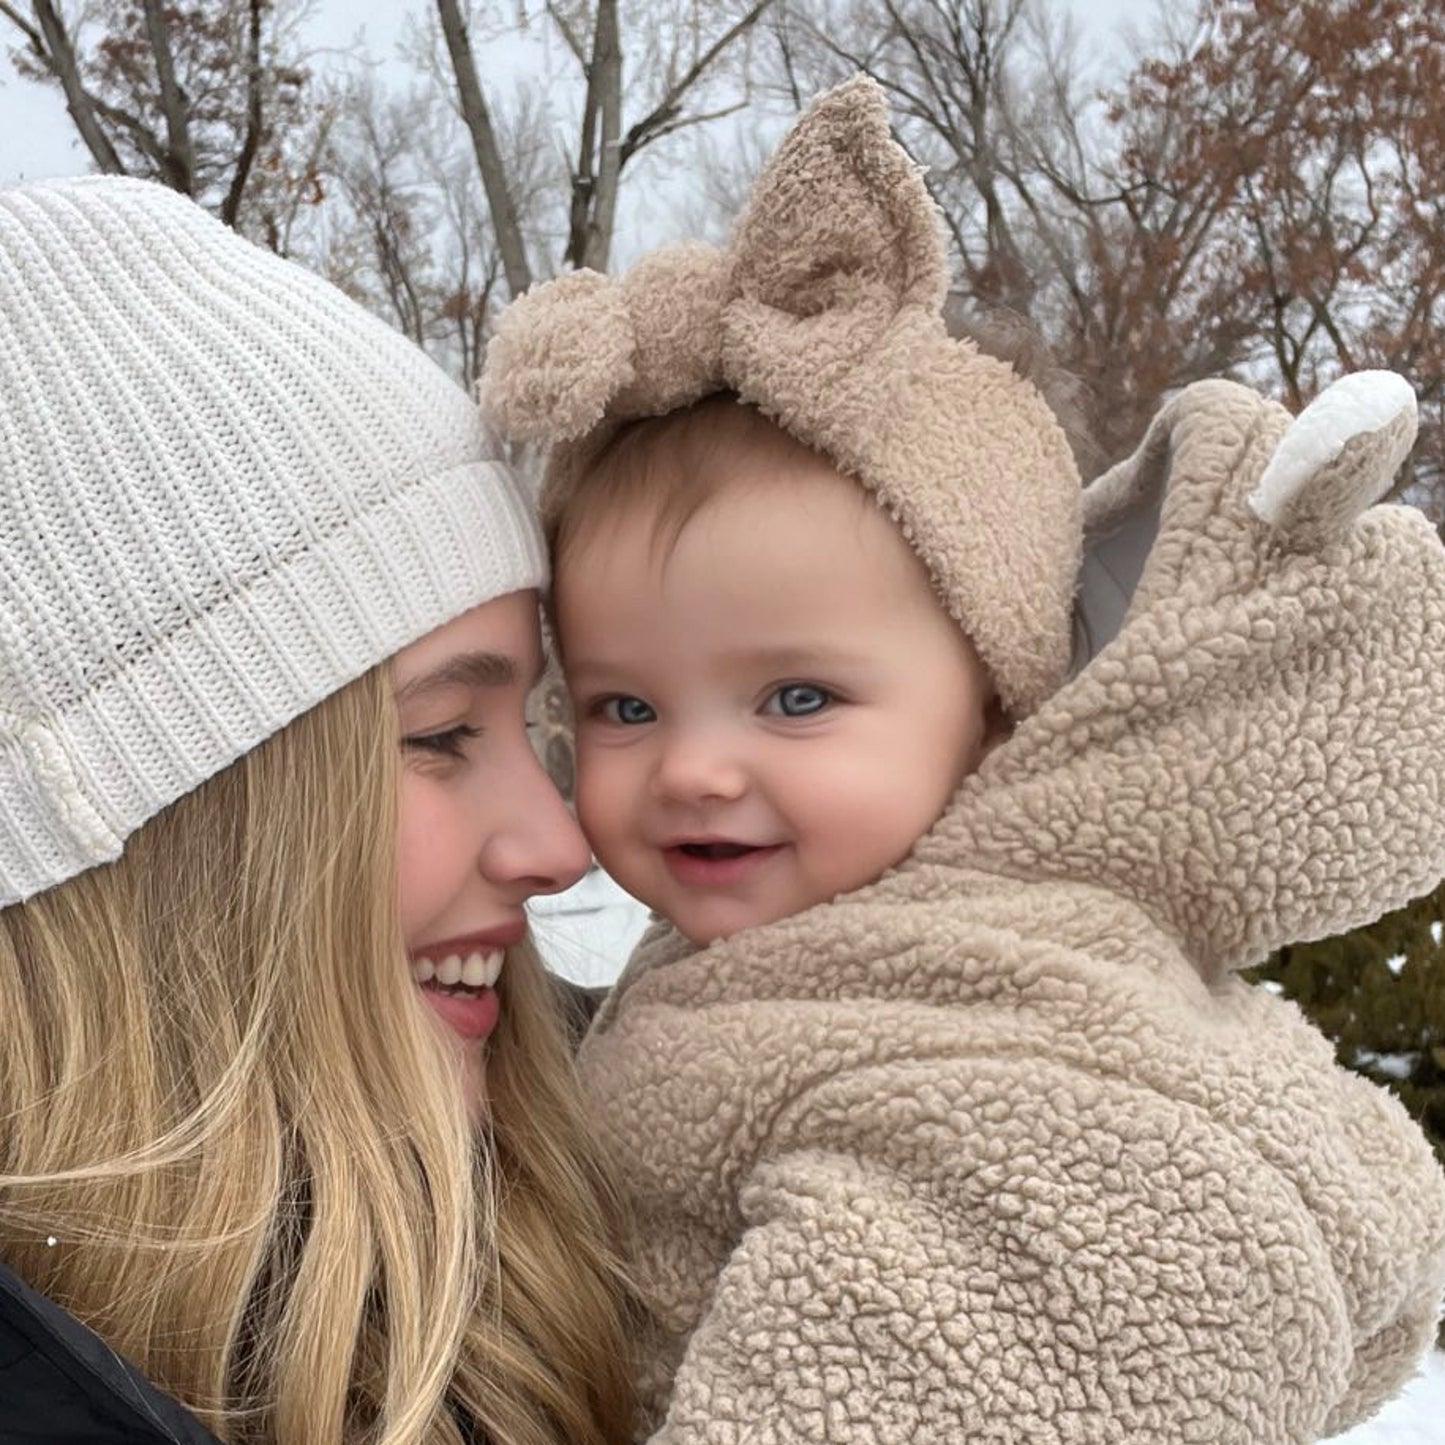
x=231, y=206
x=664, y=113
x=569, y=35
x=56, y=52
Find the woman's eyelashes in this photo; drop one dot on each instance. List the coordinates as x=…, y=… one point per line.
x=447, y=742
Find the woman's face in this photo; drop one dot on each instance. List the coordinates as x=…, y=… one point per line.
x=482, y=829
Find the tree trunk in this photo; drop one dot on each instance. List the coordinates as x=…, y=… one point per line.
x=231, y=207
x=59, y=55
x=484, y=142
x=599, y=159
x=180, y=160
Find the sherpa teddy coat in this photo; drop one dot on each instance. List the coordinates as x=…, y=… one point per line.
x=1001, y=1148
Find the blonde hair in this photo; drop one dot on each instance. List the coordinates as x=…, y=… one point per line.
x=221, y=1101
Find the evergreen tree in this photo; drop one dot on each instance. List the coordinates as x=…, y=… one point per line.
x=1379, y=995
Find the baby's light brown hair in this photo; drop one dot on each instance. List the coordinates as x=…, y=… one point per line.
x=669, y=467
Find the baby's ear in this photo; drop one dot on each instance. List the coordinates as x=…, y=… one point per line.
x=1339, y=457
x=840, y=213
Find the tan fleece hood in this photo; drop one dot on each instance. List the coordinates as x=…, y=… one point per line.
x=1000, y=1148
x=827, y=317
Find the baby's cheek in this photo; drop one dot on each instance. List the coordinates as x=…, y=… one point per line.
x=598, y=804
x=888, y=821
x=607, y=807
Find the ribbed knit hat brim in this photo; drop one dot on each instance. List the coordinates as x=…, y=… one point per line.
x=225, y=492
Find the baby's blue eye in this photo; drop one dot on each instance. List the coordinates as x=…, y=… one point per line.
x=799, y=699
x=629, y=711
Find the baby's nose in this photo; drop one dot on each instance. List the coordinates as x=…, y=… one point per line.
x=700, y=767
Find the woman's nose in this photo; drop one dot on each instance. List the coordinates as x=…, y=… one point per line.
x=539, y=848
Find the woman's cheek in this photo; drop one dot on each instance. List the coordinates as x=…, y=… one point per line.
x=429, y=856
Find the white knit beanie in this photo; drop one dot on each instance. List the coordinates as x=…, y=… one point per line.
x=225, y=492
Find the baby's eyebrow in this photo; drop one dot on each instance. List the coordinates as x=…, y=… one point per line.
x=799, y=656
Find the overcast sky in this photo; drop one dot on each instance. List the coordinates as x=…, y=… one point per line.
x=36, y=138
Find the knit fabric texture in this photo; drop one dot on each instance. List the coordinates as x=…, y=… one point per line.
x=225, y=491
x=825, y=312
x=1001, y=1147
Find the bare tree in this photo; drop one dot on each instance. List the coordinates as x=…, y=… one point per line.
x=407, y=230
x=1315, y=128
x=686, y=66
x=490, y=165
x=211, y=98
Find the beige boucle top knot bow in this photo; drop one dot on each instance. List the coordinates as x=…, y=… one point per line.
x=826, y=313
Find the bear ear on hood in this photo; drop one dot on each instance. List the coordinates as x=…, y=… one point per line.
x=1339, y=457
x=878, y=235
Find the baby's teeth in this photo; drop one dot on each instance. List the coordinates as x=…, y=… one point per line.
x=474, y=971
x=492, y=968
x=449, y=971
x=422, y=970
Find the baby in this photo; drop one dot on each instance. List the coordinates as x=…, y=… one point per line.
x=944, y=1112
x=772, y=705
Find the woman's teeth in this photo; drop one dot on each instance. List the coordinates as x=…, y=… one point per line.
x=472, y=970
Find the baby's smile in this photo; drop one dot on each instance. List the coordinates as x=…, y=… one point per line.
x=717, y=863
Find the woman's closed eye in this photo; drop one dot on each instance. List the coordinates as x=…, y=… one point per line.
x=622, y=709
x=798, y=699
x=447, y=742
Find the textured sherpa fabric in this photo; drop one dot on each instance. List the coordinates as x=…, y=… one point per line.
x=1000, y=1147
x=826, y=313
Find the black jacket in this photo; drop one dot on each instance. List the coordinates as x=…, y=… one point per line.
x=61, y=1384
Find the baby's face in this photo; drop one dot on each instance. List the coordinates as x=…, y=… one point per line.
x=771, y=711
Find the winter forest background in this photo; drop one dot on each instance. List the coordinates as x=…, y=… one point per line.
x=1256, y=188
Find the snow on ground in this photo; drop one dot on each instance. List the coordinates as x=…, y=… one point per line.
x=586, y=933
x=1414, y=1417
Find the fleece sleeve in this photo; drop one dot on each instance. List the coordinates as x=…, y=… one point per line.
x=1083, y=1262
